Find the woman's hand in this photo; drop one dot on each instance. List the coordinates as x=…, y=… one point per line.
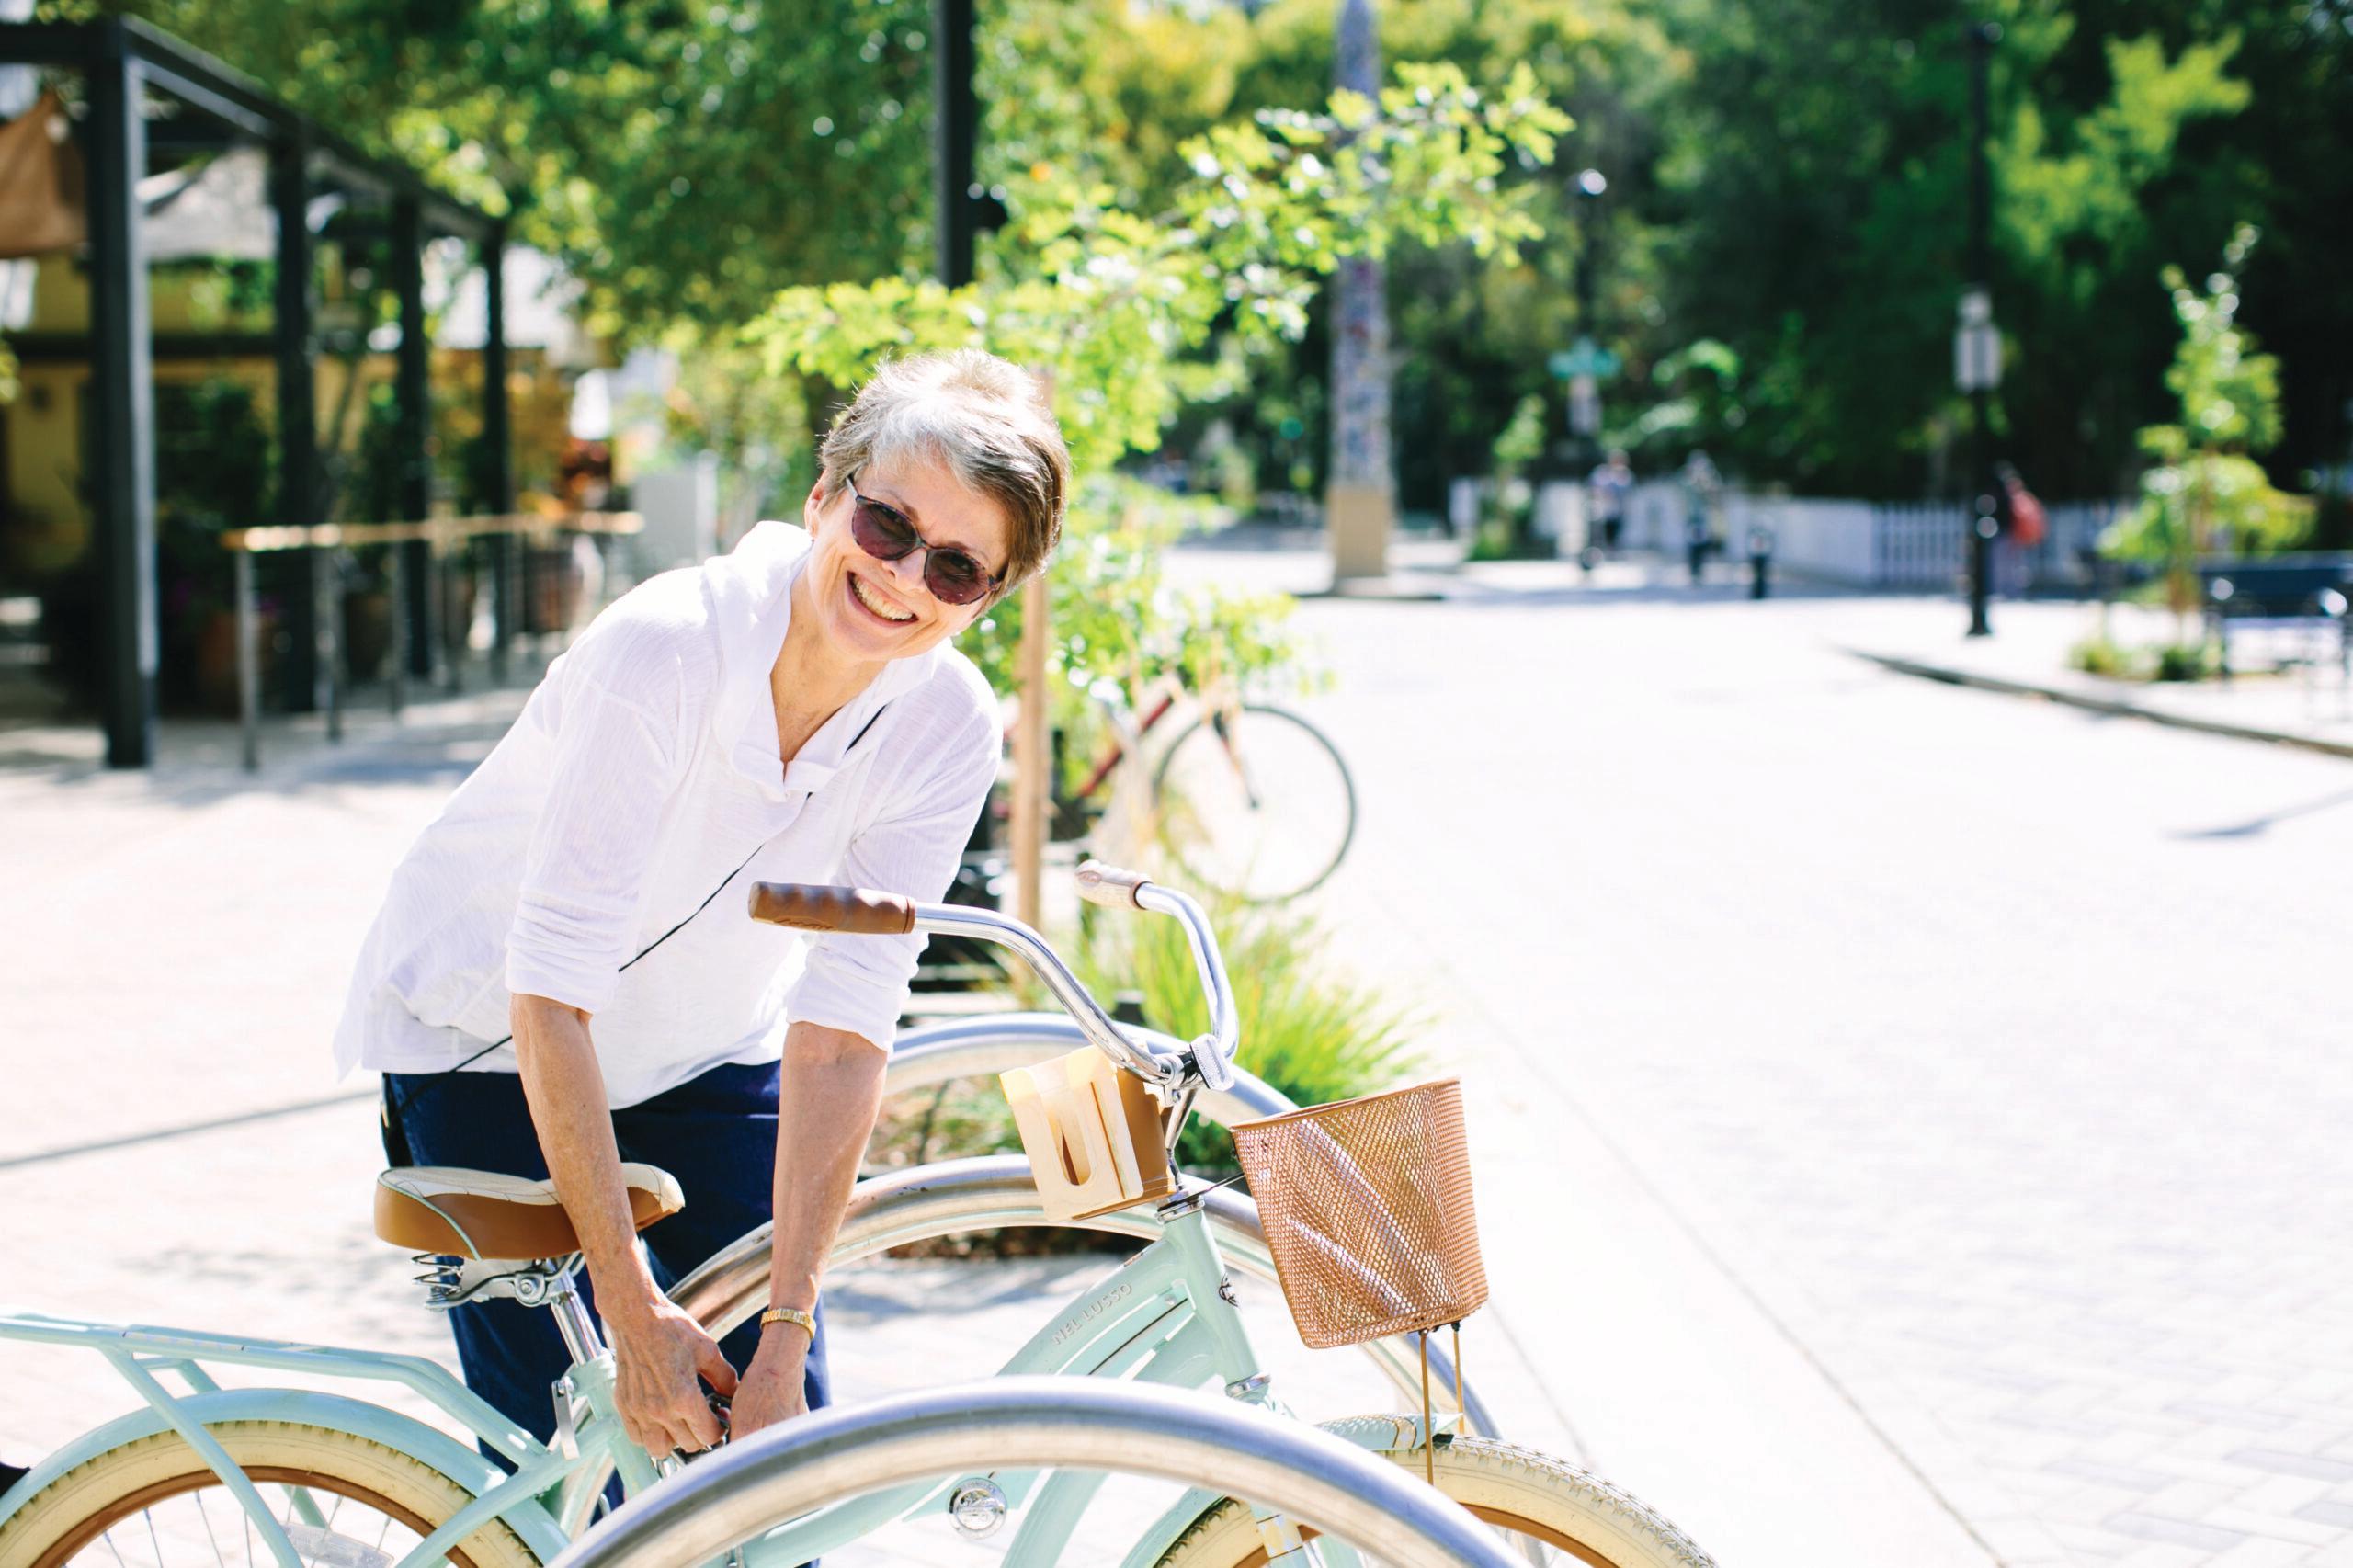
x=658, y=1352
x=772, y=1389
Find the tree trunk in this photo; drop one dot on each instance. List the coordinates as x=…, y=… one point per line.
x=1360, y=484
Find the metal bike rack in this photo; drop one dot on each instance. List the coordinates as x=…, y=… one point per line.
x=1321, y=1482
x=995, y=1191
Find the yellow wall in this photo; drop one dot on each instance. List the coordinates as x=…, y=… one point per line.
x=44, y=525
x=191, y=298
x=48, y=525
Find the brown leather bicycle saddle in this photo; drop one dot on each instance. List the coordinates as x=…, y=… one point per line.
x=449, y=1211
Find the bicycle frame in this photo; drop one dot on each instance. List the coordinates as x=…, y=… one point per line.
x=1127, y=734
x=1166, y=1315
x=140, y=1353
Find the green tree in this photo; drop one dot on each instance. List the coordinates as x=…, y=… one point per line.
x=686, y=161
x=1817, y=177
x=1110, y=305
x=2206, y=491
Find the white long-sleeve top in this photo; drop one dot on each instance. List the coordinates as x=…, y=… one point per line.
x=643, y=772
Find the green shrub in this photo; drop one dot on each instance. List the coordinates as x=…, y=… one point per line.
x=2183, y=661
x=2102, y=655
x=1312, y=1032
x=1494, y=540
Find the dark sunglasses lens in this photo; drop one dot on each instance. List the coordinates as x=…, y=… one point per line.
x=954, y=577
x=880, y=532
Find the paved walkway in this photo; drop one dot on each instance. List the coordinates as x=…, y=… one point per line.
x=1987, y=1045
x=2307, y=701
x=1907, y=1114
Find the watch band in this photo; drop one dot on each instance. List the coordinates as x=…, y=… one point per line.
x=793, y=1315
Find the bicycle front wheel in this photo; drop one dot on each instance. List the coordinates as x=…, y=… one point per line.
x=152, y=1503
x=1550, y=1512
x=1255, y=802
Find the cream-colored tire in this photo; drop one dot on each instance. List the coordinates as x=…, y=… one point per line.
x=1531, y=1496
x=157, y=1493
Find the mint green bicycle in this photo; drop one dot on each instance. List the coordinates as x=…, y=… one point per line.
x=294, y=1478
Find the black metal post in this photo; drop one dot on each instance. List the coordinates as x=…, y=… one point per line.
x=122, y=446
x=311, y=658
x=955, y=135
x=414, y=493
x=1982, y=523
x=497, y=437
x=1589, y=219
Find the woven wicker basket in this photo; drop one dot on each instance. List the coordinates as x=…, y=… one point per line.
x=1367, y=1208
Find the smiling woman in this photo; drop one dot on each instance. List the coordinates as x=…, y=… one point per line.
x=792, y=711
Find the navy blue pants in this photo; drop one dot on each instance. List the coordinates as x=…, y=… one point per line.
x=716, y=1133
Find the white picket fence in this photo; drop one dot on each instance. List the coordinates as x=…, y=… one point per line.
x=1866, y=544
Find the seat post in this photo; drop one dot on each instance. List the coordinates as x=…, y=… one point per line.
x=571, y=1319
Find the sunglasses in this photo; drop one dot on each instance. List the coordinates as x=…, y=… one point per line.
x=884, y=533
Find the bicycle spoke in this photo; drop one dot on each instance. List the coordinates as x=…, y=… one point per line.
x=206, y=1515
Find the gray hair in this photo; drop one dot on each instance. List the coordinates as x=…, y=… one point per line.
x=984, y=419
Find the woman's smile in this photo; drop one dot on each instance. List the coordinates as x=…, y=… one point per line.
x=877, y=602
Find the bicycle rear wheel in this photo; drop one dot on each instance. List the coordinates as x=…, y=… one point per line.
x=152, y=1503
x=1547, y=1511
x=1257, y=802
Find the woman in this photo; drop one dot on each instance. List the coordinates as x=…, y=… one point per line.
x=561, y=977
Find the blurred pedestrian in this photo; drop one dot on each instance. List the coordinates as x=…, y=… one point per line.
x=2024, y=525
x=1609, y=482
x=1702, y=484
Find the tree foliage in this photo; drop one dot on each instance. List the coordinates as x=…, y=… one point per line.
x=1818, y=193
x=686, y=159
x=2205, y=491
x=1107, y=304
x=1787, y=178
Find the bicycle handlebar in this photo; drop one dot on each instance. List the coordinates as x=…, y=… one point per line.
x=806, y=906
x=1108, y=886
x=813, y=907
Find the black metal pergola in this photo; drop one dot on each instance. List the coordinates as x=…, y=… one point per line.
x=122, y=60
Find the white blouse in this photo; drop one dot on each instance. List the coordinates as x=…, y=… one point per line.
x=640, y=776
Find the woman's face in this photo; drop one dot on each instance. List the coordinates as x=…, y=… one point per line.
x=873, y=610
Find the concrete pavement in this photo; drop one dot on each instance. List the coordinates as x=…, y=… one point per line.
x=1906, y=1117
x=1987, y=1049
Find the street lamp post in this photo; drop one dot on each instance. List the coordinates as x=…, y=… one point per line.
x=1977, y=345
x=1584, y=388
x=1583, y=365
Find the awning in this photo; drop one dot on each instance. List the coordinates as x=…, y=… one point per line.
x=42, y=205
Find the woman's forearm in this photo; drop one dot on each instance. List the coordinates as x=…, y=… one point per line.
x=566, y=1094
x=829, y=1093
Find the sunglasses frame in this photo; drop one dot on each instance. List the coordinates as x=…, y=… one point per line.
x=990, y=583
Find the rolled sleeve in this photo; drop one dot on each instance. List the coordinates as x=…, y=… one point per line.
x=585, y=875
x=858, y=984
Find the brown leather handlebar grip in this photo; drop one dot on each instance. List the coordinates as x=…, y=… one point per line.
x=1110, y=886
x=808, y=906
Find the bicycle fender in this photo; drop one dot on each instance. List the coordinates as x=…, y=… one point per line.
x=307, y=1407
x=1379, y=1433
